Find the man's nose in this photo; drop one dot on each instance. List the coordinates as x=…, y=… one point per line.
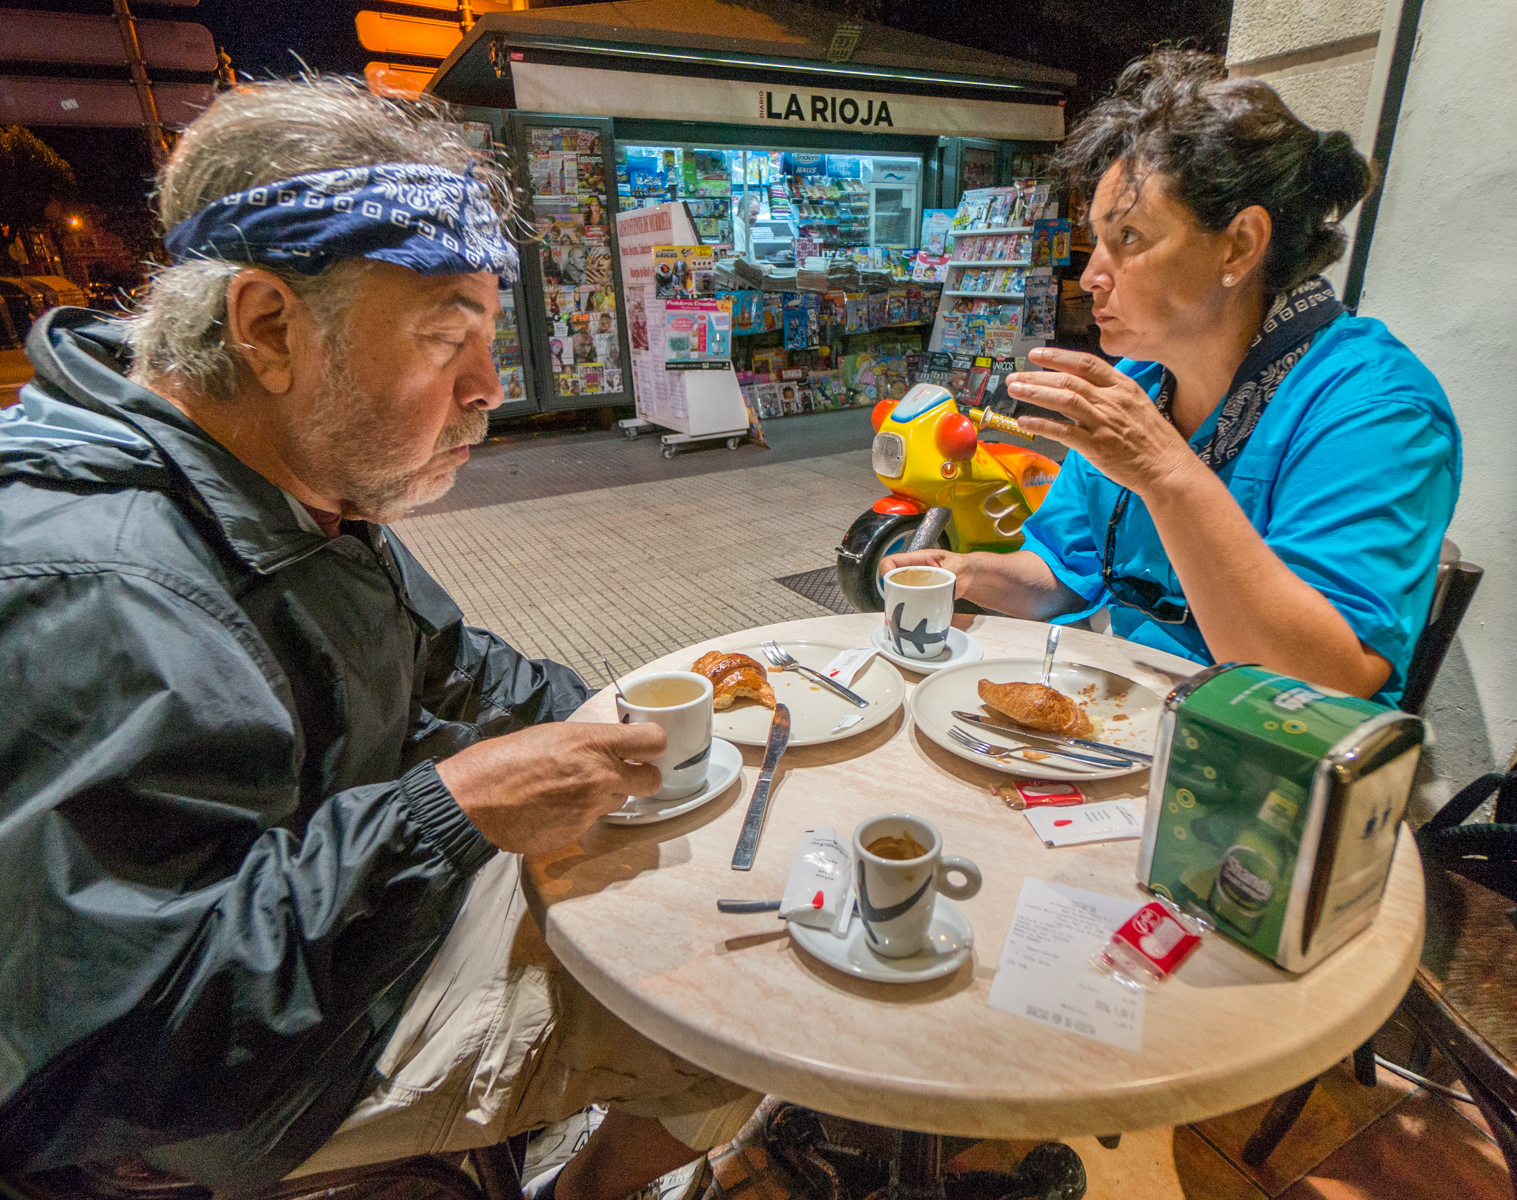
x=478, y=383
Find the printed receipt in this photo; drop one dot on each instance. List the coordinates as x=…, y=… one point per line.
x=1045, y=975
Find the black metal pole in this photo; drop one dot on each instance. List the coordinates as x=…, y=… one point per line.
x=1385, y=136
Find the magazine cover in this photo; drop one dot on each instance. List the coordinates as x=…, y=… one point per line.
x=702, y=261
x=671, y=272
x=513, y=382
x=802, y=316
x=698, y=333
x=936, y=223
x=597, y=265
x=567, y=229
x=1041, y=307
x=591, y=379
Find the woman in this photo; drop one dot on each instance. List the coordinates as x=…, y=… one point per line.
x=1262, y=477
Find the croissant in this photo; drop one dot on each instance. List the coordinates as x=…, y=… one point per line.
x=734, y=677
x=1037, y=707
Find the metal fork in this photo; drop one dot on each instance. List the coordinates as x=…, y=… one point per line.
x=985, y=748
x=785, y=662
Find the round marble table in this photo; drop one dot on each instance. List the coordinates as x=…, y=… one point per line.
x=631, y=912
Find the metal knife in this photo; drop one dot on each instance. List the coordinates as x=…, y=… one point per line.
x=1055, y=739
x=753, y=823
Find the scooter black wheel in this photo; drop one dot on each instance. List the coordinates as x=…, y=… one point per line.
x=870, y=539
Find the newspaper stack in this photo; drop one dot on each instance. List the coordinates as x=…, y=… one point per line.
x=736, y=275
x=780, y=279
x=873, y=279
x=828, y=275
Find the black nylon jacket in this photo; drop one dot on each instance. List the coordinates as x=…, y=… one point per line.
x=225, y=853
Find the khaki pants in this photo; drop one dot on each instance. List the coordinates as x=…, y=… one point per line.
x=498, y=1038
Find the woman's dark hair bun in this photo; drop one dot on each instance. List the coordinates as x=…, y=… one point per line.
x=1339, y=172
x=1221, y=145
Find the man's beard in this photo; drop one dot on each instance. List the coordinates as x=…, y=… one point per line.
x=364, y=460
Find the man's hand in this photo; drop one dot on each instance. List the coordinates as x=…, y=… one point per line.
x=541, y=788
x=962, y=566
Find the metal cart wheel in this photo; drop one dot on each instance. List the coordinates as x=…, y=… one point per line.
x=670, y=451
x=733, y=443
x=630, y=434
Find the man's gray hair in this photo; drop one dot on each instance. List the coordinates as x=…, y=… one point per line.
x=259, y=133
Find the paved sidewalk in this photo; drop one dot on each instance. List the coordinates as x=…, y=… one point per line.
x=635, y=571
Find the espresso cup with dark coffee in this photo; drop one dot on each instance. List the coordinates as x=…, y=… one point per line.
x=679, y=702
x=899, y=868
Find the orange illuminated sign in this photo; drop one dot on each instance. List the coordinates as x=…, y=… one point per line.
x=388, y=33
x=396, y=79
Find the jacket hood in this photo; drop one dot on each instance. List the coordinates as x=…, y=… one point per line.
x=83, y=424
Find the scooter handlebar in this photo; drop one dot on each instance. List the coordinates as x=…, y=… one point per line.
x=985, y=419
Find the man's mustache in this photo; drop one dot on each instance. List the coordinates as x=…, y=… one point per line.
x=468, y=432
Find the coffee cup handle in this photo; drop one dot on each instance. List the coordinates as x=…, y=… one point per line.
x=971, y=873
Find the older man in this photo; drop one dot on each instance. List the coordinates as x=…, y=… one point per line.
x=257, y=769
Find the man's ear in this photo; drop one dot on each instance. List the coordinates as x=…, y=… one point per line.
x=261, y=311
x=1247, y=239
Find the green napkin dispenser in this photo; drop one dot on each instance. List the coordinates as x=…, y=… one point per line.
x=1273, y=808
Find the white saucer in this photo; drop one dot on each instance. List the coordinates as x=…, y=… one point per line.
x=961, y=649
x=950, y=942
x=726, y=766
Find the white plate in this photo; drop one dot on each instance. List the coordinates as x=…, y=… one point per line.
x=1106, y=696
x=950, y=941
x=814, y=710
x=961, y=649
x=726, y=766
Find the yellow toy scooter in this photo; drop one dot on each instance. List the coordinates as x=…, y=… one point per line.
x=947, y=488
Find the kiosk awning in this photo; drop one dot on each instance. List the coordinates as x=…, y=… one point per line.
x=601, y=92
x=660, y=60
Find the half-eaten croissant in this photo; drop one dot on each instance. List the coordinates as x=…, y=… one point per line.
x=734, y=677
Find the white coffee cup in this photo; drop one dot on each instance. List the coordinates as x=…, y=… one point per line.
x=896, y=895
x=919, y=610
x=686, y=722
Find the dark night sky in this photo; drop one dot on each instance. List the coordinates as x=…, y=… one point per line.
x=1094, y=38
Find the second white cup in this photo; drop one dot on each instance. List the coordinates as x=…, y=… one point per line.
x=679, y=702
x=919, y=610
x=899, y=868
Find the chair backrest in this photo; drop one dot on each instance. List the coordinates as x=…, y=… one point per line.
x=1457, y=581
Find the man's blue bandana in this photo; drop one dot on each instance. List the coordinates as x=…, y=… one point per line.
x=430, y=219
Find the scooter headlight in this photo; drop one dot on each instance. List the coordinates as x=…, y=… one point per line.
x=889, y=455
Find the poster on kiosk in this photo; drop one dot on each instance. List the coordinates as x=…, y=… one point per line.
x=681, y=342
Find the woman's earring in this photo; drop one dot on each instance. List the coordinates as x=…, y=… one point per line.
x=1227, y=281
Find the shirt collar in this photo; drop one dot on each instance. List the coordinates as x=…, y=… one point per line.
x=86, y=359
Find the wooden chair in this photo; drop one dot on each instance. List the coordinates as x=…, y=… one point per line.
x=1457, y=581
x=497, y=1170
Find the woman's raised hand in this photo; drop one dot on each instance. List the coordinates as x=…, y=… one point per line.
x=1116, y=426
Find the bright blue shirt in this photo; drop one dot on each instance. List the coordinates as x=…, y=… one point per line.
x=1350, y=477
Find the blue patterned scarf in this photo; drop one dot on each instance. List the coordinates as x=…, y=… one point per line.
x=427, y=218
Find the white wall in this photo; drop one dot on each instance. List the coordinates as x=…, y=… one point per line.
x=1442, y=273
x=1327, y=59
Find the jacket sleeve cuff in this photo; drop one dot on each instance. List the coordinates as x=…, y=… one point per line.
x=443, y=823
